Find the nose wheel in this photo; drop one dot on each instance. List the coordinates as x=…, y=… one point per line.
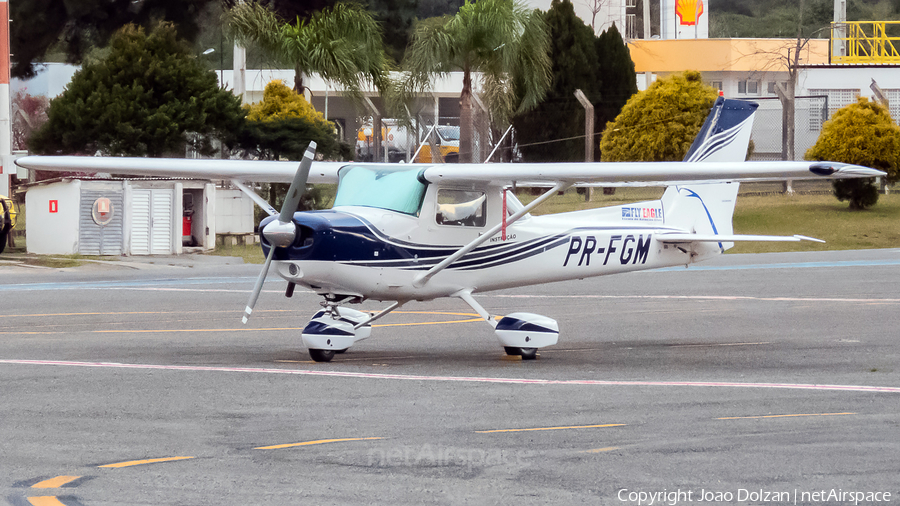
x=323, y=355
x=525, y=353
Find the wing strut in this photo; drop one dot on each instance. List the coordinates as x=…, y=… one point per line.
x=423, y=278
x=261, y=202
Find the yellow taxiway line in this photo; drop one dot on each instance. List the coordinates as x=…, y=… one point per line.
x=142, y=462
x=782, y=416
x=601, y=450
x=55, y=482
x=551, y=428
x=317, y=442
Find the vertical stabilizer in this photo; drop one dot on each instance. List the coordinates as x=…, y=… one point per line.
x=726, y=133
x=708, y=208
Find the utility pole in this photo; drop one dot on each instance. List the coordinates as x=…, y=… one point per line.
x=588, y=134
x=6, y=159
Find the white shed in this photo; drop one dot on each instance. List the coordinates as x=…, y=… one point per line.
x=91, y=216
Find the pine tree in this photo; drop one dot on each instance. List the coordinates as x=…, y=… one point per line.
x=616, y=69
x=148, y=97
x=554, y=130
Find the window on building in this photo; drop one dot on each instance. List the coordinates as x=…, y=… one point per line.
x=771, y=87
x=893, y=97
x=748, y=87
x=717, y=85
x=630, y=29
x=836, y=99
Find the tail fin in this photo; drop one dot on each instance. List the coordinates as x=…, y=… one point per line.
x=707, y=208
x=726, y=133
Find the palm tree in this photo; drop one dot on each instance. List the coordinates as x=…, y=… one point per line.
x=502, y=40
x=343, y=44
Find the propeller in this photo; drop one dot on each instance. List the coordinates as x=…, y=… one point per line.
x=281, y=232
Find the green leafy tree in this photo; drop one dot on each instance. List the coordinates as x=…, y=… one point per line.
x=342, y=44
x=660, y=123
x=148, y=97
x=496, y=38
x=283, y=123
x=862, y=134
x=280, y=127
x=397, y=18
x=615, y=70
x=554, y=129
x=74, y=27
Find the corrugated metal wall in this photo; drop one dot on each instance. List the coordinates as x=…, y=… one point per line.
x=94, y=239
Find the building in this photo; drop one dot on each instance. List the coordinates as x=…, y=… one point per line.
x=752, y=69
x=115, y=216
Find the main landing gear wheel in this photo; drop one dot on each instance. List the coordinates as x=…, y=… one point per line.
x=525, y=353
x=321, y=355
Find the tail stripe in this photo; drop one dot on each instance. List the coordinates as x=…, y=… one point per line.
x=712, y=223
x=717, y=142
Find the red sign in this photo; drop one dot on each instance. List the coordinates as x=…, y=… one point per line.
x=54, y=206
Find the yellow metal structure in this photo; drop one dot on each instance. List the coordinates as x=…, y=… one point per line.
x=867, y=41
x=7, y=219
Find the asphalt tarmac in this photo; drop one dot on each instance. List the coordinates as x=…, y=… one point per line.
x=751, y=379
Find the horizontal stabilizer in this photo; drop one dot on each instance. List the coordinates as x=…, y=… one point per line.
x=682, y=238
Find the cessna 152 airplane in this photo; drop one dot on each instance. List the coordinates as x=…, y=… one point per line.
x=401, y=233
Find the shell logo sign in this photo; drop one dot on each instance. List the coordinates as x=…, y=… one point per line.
x=688, y=11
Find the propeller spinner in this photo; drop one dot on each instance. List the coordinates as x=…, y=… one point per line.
x=281, y=233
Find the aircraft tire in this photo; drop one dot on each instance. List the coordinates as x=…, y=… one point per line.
x=529, y=353
x=321, y=355
x=525, y=353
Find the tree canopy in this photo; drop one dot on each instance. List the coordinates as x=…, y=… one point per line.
x=342, y=44
x=661, y=122
x=280, y=127
x=76, y=26
x=148, y=97
x=618, y=81
x=283, y=123
x=862, y=134
x=499, y=39
x=554, y=129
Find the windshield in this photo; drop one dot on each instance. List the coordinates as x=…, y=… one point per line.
x=449, y=133
x=384, y=188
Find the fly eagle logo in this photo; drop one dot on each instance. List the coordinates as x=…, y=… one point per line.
x=642, y=213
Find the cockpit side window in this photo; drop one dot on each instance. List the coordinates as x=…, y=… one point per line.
x=462, y=208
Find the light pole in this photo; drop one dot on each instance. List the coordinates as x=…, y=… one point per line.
x=221, y=64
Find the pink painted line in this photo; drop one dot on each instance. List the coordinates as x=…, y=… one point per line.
x=468, y=379
x=700, y=297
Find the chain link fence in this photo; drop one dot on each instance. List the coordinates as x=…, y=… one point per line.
x=424, y=140
x=810, y=112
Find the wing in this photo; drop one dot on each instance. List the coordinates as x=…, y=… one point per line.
x=642, y=173
x=254, y=171
x=522, y=174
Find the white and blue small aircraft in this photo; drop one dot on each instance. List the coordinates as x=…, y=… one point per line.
x=399, y=233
